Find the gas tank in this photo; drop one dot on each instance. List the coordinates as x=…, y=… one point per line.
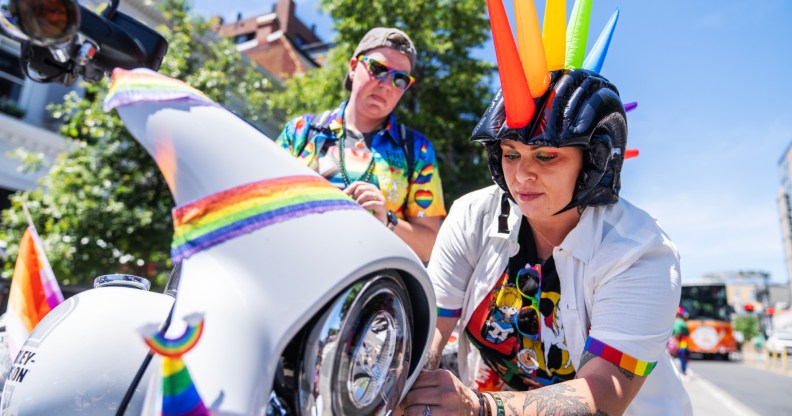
x=83, y=356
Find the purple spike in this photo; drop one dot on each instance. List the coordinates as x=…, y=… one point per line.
x=630, y=106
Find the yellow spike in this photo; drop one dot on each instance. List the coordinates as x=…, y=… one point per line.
x=554, y=33
x=529, y=42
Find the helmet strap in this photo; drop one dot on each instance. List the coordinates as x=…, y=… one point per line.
x=503, y=218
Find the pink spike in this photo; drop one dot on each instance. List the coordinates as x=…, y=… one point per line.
x=517, y=99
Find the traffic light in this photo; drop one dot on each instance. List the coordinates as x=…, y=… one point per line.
x=770, y=311
x=749, y=307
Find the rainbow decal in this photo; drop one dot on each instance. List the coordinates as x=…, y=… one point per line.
x=179, y=394
x=425, y=175
x=144, y=85
x=229, y=214
x=179, y=346
x=614, y=356
x=424, y=198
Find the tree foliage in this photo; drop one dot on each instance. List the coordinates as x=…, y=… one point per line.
x=748, y=325
x=451, y=91
x=104, y=207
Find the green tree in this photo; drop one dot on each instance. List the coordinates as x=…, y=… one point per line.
x=451, y=91
x=104, y=207
x=748, y=325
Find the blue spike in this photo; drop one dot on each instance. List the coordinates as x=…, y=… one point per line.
x=596, y=57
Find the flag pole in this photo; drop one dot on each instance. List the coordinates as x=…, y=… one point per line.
x=27, y=215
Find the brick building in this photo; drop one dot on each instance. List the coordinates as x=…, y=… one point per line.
x=278, y=41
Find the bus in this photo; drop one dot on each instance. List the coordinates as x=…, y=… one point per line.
x=709, y=319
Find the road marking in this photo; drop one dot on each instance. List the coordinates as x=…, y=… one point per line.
x=738, y=409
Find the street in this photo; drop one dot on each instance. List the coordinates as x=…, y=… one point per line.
x=734, y=388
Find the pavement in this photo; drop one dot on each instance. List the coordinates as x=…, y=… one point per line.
x=710, y=400
x=747, y=385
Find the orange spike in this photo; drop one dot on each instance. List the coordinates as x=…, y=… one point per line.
x=517, y=99
x=532, y=52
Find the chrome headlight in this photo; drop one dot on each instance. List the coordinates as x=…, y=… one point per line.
x=357, y=356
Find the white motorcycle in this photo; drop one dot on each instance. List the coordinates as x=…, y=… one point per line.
x=292, y=299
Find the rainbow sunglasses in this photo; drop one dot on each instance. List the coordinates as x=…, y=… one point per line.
x=528, y=320
x=380, y=71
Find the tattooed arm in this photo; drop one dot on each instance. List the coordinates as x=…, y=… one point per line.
x=599, y=388
x=445, y=326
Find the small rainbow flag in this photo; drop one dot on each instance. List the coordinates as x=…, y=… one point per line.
x=34, y=291
x=614, y=356
x=179, y=395
x=244, y=209
x=145, y=85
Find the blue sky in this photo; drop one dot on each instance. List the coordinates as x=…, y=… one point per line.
x=714, y=117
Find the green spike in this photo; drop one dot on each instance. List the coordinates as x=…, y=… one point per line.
x=577, y=35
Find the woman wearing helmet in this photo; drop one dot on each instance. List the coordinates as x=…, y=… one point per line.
x=563, y=294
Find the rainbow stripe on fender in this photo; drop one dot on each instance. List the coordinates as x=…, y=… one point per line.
x=244, y=209
x=145, y=85
x=614, y=356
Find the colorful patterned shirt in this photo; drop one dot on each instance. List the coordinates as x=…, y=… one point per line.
x=421, y=195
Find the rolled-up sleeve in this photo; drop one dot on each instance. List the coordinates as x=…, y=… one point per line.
x=633, y=310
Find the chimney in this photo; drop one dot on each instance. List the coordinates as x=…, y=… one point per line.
x=285, y=12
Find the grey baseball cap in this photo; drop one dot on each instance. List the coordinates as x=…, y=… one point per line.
x=387, y=37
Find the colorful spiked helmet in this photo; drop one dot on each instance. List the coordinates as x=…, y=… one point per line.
x=551, y=96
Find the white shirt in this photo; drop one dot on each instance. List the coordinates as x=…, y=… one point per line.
x=619, y=276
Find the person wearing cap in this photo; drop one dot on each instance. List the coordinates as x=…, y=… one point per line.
x=562, y=294
x=360, y=147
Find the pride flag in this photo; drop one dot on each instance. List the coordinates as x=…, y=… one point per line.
x=34, y=291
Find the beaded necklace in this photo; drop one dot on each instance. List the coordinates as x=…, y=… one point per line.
x=344, y=175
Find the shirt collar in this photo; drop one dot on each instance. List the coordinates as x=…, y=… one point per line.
x=579, y=242
x=391, y=127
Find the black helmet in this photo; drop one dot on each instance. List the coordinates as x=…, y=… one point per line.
x=580, y=108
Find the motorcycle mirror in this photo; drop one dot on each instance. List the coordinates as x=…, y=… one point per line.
x=43, y=22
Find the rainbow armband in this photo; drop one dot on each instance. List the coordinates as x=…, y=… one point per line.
x=614, y=356
x=448, y=313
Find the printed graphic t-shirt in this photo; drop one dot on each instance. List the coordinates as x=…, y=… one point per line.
x=518, y=328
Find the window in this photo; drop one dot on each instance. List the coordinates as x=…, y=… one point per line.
x=244, y=37
x=11, y=78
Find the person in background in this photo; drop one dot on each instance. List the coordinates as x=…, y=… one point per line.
x=360, y=147
x=680, y=333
